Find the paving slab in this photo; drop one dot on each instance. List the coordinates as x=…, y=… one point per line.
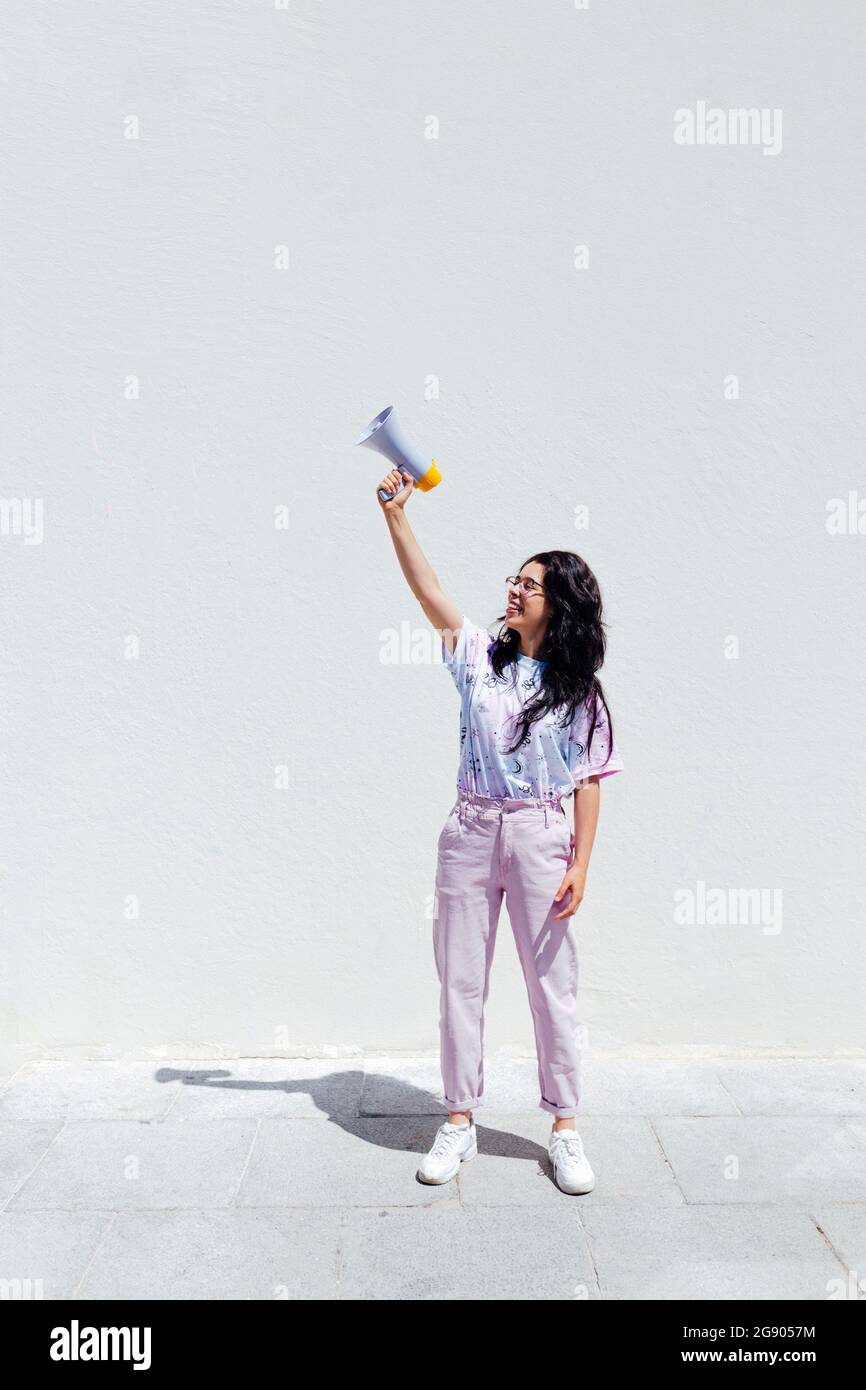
x=43, y=1254
x=788, y=1086
x=22, y=1146
x=352, y=1162
x=402, y=1086
x=447, y=1252
x=87, y=1090
x=236, y=1254
x=764, y=1159
x=408, y=1085
x=264, y=1086
x=844, y=1226
x=113, y=1165
x=708, y=1252
x=513, y=1167
x=658, y=1087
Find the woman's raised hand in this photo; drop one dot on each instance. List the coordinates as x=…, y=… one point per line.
x=390, y=483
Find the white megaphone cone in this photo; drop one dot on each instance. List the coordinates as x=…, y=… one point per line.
x=385, y=435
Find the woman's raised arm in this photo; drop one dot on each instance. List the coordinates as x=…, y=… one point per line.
x=438, y=607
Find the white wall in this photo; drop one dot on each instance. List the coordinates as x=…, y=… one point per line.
x=290, y=919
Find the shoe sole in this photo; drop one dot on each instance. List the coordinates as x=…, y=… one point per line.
x=437, y=1182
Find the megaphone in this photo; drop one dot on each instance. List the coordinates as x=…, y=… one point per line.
x=386, y=436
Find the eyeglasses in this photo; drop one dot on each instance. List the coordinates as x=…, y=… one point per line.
x=528, y=586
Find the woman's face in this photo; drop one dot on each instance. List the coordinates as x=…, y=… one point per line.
x=527, y=608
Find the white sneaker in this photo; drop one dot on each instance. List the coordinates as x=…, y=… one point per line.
x=571, y=1170
x=453, y=1145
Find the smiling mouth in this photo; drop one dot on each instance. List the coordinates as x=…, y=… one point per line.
x=512, y=610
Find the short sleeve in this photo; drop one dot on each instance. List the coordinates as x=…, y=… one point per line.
x=595, y=762
x=470, y=654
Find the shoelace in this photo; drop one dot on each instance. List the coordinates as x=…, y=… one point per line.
x=445, y=1138
x=572, y=1144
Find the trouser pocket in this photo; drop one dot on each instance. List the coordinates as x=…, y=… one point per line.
x=452, y=827
x=563, y=830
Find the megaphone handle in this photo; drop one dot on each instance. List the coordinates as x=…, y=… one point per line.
x=389, y=496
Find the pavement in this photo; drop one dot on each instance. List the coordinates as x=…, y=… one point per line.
x=282, y=1178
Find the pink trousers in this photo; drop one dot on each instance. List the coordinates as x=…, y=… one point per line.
x=489, y=847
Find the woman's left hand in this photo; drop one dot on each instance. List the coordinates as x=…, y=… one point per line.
x=574, y=879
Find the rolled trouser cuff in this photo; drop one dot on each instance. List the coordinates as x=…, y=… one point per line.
x=564, y=1112
x=454, y=1105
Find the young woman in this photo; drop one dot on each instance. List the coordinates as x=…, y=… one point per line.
x=535, y=728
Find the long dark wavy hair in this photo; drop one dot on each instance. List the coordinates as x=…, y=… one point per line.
x=573, y=647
